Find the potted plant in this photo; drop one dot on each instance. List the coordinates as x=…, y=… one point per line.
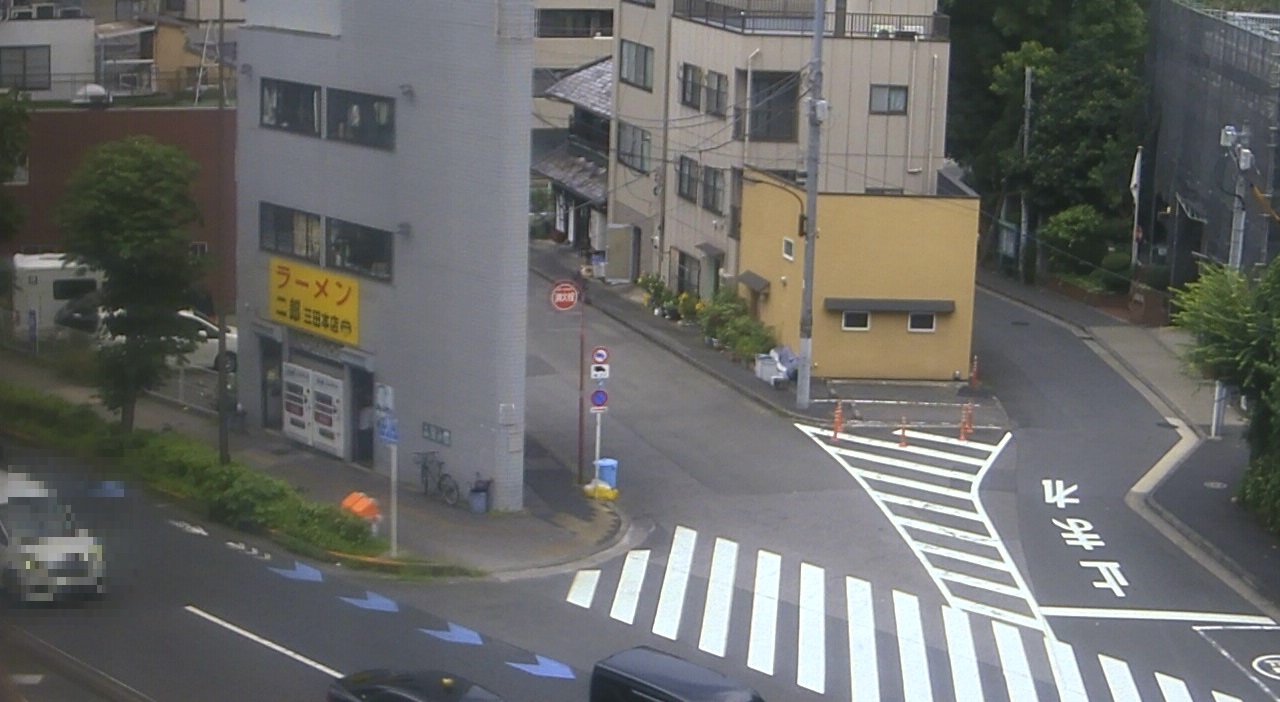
x=687, y=307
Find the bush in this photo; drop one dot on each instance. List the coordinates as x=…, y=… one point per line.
x=1113, y=272
x=1260, y=490
x=724, y=307
x=1156, y=277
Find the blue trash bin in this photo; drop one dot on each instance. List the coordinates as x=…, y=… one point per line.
x=607, y=469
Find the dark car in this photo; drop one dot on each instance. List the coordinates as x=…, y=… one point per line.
x=645, y=673
x=384, y=685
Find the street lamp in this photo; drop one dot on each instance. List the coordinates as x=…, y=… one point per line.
x=1236, y=144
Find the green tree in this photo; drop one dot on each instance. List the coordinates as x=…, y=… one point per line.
x=127, y=212
x=14, y=118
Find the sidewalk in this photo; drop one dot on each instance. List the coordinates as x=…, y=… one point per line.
x=1195, y=497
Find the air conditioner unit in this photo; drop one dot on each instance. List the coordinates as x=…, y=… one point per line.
x=70, y=13
x=22, y=13
x=45, y=10
x=910, y=31
x=884, y=31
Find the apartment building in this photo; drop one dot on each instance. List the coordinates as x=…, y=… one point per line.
x=382, y=184
x=569, y=34
x=704, y=88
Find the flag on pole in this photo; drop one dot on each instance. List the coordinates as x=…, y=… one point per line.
x=1134, y=179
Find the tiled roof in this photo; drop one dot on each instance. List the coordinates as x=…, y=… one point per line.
x=589, y=87
x=579, y=174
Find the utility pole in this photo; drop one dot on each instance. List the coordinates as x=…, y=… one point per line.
x=224, y=396
x=1023, y=233
x=1236, y=143
x=817, y=113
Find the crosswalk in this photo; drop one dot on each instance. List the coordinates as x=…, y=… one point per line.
x=985, y=638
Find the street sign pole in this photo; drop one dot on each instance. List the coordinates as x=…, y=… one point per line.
x=599, y=416
x=582, y=387
x=395, y=502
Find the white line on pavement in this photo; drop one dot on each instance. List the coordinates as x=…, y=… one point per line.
x=1119, y=679
x=1173, y=689
x=1013, y=662
x=949, y=473
x=764, y=612
x=627, y=596
x=261, y=641
x=912, y=655
x=715, y=614
x=811, y=648
x=965, y=681
x=583, y=590
x=864, y=675
x=1155, y=615
x=1221, y=697
x=666, y=622
x=1066, y=672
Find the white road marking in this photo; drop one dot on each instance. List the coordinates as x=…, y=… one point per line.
x=1013, y=662
x=1221, y=697
x=1119, y=679
x=912, y=655
x=1066, y=672
x=1155, y=615
x=675, y=582
x=811, y=646
x=920, y=485
x=896, y=447
x=949, y=473
x=991, y=612
x=26, y=679
x=965, y=556
x=261, y=641
x=583, y=590
x=715, y=615
x=764, y=612
x=1173, y=689
x=950, y=440
x=864, y=675
x=966, y=683
x=931, y=507
x=627, y=596
x=962, y=534
x=980, y=583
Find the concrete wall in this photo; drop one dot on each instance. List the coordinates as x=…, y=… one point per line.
x=71, y=57
x=447, y=332
x=870, y=247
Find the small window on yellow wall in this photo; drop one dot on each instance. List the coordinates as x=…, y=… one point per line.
x=856, y=321
x=921, y=322
x=789, y=249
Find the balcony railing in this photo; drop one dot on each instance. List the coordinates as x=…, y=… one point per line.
x=796, y=17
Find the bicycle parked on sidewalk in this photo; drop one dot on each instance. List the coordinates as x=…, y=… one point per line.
x=435, y=480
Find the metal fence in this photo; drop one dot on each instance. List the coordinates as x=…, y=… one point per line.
x=139, y=81
x=1209, y=69
x=796, y=17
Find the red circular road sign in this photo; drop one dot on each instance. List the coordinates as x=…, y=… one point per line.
x=564, y=295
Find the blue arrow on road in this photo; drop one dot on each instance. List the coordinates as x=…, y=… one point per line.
x=455, y=634
x=301, y=571
x=372, y=601
x=545, y=668
x=109, y=488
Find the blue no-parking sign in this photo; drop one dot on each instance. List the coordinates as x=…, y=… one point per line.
x=389, y=430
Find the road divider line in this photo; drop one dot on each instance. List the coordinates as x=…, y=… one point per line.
x=1119, y=679
x=864, y=675
x=583, y=590
x=627, y=596
x=1013, y=662
x=666, y=622
x=715, y=614
x=966, y=682
x=811, y=644
x=764, y=612
x=262, y=641
x=913, y=657
x=1156, y=615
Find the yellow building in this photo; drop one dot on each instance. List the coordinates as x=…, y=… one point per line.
x=893, y=278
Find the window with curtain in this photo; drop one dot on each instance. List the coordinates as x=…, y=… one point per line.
x=888, y=99
x=293, y=107
x=289, y=231
x=360, y=118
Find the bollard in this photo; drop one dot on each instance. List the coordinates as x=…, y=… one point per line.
x=969, y=416
x=902, y=433
x=964, y=423
x=838, y=423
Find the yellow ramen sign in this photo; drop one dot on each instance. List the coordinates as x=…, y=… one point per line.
x=315, y=300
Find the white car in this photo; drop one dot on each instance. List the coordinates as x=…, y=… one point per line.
x=205, y=332
x=44, y=554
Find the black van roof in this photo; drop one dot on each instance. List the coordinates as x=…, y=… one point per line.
x=678, y=677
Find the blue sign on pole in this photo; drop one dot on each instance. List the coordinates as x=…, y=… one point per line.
x=388, y=430
x=599, y=398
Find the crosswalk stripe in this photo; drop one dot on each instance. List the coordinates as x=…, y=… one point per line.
x=583, y=590
x=920, y=485
x=1066, y=672
x=811, y=645
x=764, y=612
x=1119, y=679
x=950, y=440
x=627, y=595
x=930, y=506
x=991, y=612
x=864, y=676
x=1221, y=697
x=1013, y=662
x=980, y=583
x=1173, y=689
x=715, y=615
x=912, y=656
x=666, y=623
x=917, y=450
x=949, y=473
x=965, y=556
x=965, y=680
x=962, y=534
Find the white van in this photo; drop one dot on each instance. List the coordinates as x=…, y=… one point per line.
x=42, y=284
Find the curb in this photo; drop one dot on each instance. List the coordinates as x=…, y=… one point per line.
x=77, y=670
x=605, y=544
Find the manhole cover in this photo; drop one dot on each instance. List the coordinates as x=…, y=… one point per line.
x=1216, y=485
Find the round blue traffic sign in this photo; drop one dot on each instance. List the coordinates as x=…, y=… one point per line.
x=599, y=398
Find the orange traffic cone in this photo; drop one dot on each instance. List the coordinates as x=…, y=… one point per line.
x=902, y=433
x=837, y=423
